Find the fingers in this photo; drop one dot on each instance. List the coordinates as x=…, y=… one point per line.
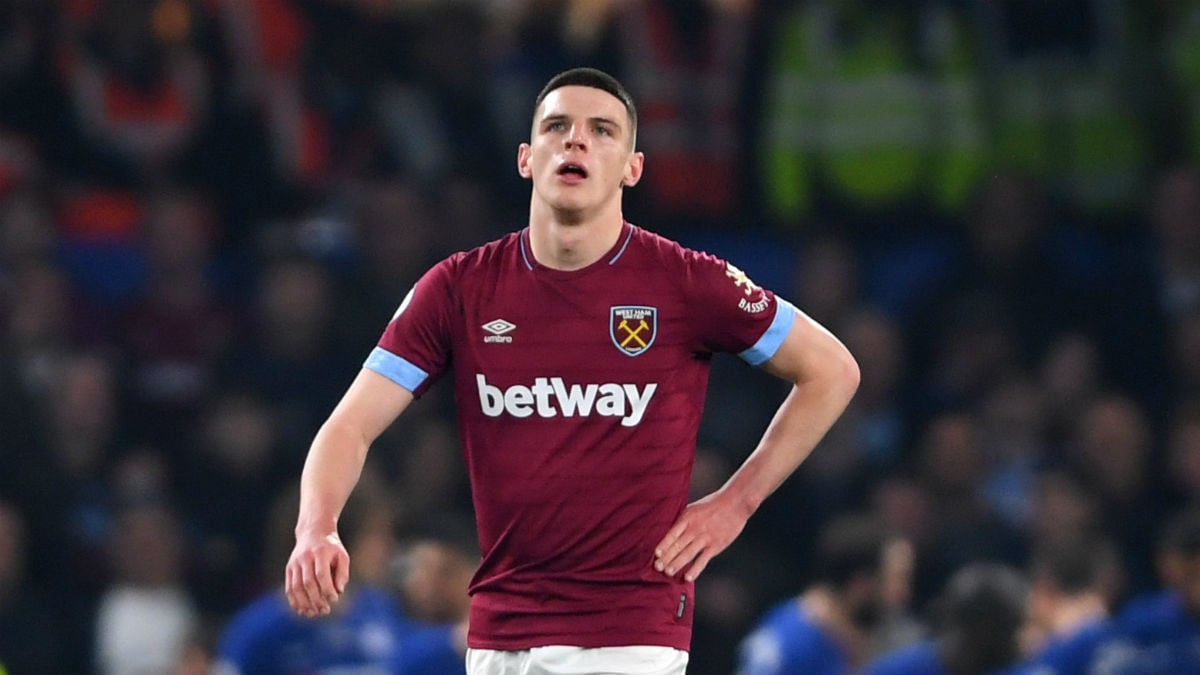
x=341, y=569
x=691, y=543
x=290, y=586
x=669, y=544
x=680, y=556
x=698, y=566
x=311, y=581
x=314, y=581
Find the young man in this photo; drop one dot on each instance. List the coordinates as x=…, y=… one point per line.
x=978, y=627
x=1070, y=582
x=830, y=627
x=580, y=348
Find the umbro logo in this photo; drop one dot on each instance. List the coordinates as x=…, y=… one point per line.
x=498, y=329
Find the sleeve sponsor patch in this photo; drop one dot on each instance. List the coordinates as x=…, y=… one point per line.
x=740, y=279
x=754, y=300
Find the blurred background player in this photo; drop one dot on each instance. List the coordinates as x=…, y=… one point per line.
x=829, y=628
x=434, y=565
x=367, y=631
x=1071, y=581
x=978, y=620
x=1158, y=632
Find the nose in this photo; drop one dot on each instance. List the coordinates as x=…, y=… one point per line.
x=577, y=138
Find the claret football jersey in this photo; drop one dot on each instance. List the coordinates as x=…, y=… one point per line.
x=579, y=395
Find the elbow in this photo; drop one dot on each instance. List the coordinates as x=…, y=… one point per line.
x=848, y=376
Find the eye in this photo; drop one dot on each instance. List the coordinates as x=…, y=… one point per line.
x=603, y=130
x=556, y=125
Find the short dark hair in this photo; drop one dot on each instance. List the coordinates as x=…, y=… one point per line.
x=1075, y=563
x=596, y=79
x=981, y=607
x=1181, y=534
x=848, y=547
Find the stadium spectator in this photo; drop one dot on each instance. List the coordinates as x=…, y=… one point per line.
x=1112, y=448
x=952, y=468
x=1182, y=466
x=146, y=616
x=138, y=90
x=1184, y=349
x=1177, y=236
x=235, y=444
x=687, y=61
x=31, y=638
x=180, y=326
x=1071, y=375
x=1015, y=442
x=293, y=348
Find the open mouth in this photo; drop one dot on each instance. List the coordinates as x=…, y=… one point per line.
x=572, y=169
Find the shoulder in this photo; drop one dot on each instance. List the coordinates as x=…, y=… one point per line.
x=1145, y=615
x=668, y=251
x=500, y=251
x=1071, y=653
x=786, y=623
x=372, y=600
x=262, y=620
x=269, y=608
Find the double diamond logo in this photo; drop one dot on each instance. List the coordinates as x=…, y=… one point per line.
x=498, y=329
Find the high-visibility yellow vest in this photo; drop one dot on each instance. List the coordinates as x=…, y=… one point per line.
x=961, y=144
x=1065, y=121
x=788, y=143
x=1182, y=43
x=877, y=107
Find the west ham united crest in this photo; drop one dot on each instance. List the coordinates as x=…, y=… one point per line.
x=633, y=328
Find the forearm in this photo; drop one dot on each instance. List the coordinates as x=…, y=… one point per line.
x=798, y=425
x=331, y=471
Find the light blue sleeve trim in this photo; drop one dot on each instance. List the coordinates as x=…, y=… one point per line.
x=395, y=368
x=768, y=344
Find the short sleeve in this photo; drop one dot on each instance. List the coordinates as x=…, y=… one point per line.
x=733, y=314
x=415, y=347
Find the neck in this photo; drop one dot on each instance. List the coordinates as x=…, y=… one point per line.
x=571, y=240
x=829, y=611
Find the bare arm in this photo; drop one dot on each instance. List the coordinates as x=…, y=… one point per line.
x=319, y=567
x=825, y=376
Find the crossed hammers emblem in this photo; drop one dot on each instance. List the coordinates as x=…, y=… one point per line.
x=633, y=333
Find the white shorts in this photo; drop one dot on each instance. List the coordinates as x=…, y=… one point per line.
x=561, y=660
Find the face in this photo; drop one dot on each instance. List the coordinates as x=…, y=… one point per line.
x=581, y=150
x=434, y=586
x=1189, y=584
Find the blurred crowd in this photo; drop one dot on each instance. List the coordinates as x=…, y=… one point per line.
x=209, y=209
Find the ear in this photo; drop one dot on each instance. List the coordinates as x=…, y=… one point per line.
x=633, y=169
x=523, y=167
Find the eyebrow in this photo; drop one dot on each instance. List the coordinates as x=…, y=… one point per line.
x=603, y=120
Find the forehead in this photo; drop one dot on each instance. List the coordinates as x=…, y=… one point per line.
x=581, y=101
